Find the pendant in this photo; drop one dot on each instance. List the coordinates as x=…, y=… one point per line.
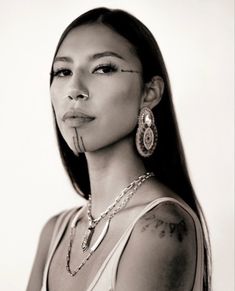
x=87, y=238
x=101, y=237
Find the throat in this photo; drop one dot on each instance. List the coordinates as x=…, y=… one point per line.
x=111, y=170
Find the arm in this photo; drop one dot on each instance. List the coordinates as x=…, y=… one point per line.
x=161, y=252
x=35, y=281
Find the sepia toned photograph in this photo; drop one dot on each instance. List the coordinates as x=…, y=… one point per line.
x=117, y=149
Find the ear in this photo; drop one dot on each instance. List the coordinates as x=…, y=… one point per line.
x=152, y=92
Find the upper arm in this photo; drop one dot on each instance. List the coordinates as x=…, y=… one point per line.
x=36, y=276
x=161, y=252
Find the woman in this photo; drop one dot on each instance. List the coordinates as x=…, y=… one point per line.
x=142, y=228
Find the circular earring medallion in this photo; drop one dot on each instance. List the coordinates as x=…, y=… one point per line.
x=148, y=138
x=146, y=135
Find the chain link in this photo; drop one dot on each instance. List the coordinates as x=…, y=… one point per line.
x=135, y=185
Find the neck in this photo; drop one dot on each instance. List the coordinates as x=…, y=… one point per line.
x=111, y=170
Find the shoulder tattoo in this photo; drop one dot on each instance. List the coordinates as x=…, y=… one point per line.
x=154, y=223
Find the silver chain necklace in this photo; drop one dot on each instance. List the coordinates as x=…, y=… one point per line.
x=110, y=212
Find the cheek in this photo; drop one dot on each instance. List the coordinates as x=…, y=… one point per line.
x=125, y=103
x=59, y=105
x=58, y=100
x=56, y=95
x=119, y=109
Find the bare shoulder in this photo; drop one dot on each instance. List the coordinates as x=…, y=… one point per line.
x=47, y=230
x=167, y=220
x=161, y=251
x=35, y=280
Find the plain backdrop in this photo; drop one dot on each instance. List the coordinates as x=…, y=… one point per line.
x=196, y=38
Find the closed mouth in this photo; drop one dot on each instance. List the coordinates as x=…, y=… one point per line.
x=72, y=115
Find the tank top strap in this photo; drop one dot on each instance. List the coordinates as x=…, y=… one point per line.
x=106, y=277
x=198, y=278
x=59, y=228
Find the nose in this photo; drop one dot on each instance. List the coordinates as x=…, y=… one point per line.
x=80, y=96
x=77, y=89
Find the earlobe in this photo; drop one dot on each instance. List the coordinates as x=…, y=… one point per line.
x=153, y=92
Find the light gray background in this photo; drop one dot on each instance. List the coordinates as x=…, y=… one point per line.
x=196, y=38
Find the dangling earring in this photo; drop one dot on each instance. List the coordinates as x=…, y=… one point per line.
x=146, y=135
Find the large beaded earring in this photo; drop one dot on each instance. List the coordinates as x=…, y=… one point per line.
x=146, y=135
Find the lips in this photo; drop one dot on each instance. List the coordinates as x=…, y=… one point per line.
x=76, y=118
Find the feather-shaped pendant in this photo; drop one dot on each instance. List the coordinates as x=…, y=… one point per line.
x=87, y=238
x=101, y=237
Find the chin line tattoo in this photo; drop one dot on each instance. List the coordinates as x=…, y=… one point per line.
x=164, y=228
x=78, y=142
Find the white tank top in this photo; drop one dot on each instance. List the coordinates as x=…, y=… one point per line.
x=105, y=278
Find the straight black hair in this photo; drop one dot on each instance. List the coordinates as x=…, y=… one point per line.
x=168, y=161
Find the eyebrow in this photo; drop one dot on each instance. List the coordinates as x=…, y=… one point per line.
x=63, y=59
x=93, y=57
x=106, y=54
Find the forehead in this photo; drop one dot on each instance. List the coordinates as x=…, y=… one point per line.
x=90, y=39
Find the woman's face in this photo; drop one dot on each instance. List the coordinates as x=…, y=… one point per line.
x=93, y=60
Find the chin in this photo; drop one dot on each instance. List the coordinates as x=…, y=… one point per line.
x=96, y=142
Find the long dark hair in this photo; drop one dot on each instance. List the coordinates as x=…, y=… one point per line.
x=168, y=161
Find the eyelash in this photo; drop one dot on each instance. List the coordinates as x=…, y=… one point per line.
x=57, y=72
x=111, y=67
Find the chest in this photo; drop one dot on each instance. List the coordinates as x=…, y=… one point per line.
x=59, y=279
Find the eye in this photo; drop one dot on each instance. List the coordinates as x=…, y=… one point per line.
x=60, y=73
x=105, y=69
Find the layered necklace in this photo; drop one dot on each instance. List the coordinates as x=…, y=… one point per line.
x=119, y=203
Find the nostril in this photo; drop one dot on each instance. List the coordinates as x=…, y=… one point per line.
x=81, y=96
